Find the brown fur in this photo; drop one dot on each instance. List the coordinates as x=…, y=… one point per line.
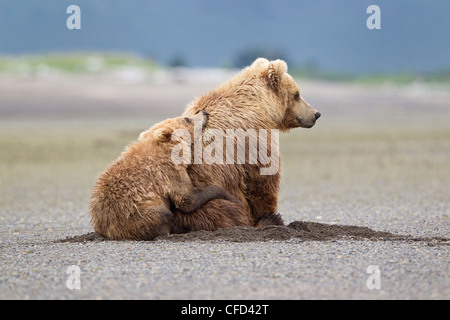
x=261, y=96
x=133, y=198
x=144, y=194
x=214, y=215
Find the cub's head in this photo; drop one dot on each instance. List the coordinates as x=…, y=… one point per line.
x=291, y=109
x=162, y=132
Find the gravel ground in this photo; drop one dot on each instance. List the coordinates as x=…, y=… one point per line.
x=377, y=158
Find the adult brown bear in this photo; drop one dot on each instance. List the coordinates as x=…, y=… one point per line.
x=263, y=96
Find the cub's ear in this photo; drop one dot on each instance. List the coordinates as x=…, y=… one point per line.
x=144, y=135
x=163, y=134
x=275, y=73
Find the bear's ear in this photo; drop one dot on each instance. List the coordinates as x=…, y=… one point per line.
x=275, y=72
x=260, y=63
x=163, y=134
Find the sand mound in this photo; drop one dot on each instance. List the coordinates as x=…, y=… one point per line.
x=305, y=231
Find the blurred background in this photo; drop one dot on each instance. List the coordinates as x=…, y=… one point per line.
x=71, y=100
x=324, y=38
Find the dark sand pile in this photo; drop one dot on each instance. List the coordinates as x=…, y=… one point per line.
x=305, y=231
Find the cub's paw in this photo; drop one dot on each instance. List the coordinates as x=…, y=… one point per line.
x=269, y=219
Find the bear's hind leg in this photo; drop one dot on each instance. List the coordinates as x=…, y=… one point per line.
x=145, y=224
x=153, y=222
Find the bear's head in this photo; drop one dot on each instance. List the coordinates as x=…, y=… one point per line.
x=291, y=109
x=261, y=96
x=162, y=132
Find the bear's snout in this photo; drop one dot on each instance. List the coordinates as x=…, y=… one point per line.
x=317, y=115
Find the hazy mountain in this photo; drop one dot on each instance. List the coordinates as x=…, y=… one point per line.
x=414, y=35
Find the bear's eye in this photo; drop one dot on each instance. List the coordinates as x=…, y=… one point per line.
x=297, y=96
x=188, y=120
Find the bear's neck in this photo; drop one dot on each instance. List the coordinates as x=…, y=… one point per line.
x=237, y=108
